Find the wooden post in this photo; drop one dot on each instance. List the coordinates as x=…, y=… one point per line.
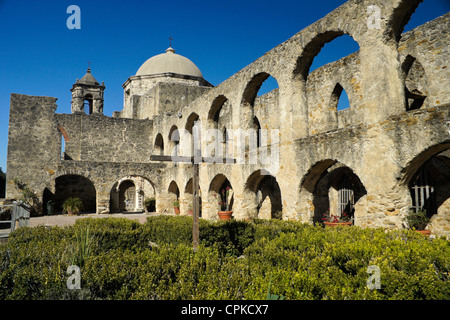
x=196, y=206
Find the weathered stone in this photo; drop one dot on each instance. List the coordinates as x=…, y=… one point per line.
x=395, y=128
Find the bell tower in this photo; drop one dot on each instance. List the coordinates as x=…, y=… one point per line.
x=87, y=95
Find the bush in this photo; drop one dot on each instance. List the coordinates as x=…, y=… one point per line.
x=235, y=260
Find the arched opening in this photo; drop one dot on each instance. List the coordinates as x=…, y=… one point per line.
x=174, y=141
x=48, y=196
x=193, y=120
x=78, y=187
x=411, y=14
x=336, y=192
x=257, y=128
x=256, y=107
x=266, y=195
x=128, y=194
x=430, y=186
x=173, y=190
x=415, y=83
x=324, y=48
x=159, y=145
x=219, y=119
x=221, y=191
x=258, y=86
x=339, y=98
x=189, y=196
x=88, y=104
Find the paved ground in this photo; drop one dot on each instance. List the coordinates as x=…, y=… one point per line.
x=64, y=220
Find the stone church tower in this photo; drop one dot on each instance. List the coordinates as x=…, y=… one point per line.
x=87, y=95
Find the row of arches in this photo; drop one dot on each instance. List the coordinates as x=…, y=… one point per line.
x=328, y=186
x=337, y=97
x=126, y=195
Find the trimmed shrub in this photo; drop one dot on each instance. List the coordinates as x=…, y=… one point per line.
x=235, y=260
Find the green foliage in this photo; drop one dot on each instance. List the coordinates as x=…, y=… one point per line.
x=417, y=220
x=72, y=205
x=235, y=260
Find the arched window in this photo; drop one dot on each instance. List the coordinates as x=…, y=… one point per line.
x=88, y=104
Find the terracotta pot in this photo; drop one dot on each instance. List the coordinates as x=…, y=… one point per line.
x=336, y=224
x=177, y=210
x=225, y=215
x=424, y=232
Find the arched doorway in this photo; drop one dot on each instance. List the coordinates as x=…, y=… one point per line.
x=265, y=194
x=336, y=192
x=75, y=186
x=129, y=193
x=127, y=196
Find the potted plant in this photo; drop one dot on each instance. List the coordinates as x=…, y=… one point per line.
x=224, y=202
x=418, y=221
x=176, y=206
x=150, y=204
x=334, y=221
x=72, y=206
x=190, y=211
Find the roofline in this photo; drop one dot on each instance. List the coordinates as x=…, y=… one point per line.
x=167, y=74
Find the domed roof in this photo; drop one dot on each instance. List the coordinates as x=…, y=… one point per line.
x=169, y=62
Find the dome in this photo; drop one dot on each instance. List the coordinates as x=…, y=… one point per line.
x=169, y=62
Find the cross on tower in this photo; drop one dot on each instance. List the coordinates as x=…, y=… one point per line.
x=170, y=41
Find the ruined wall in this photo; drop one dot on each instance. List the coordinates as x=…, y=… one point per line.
x=33, y=141
x=101, y=138
x=381, y=141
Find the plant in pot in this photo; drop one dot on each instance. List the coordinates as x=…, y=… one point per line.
x=418, y=221
x=72, y=206
x=176, y=206
x=224, y=199
x=190, y=211
x=330, y=220
x=150, y=204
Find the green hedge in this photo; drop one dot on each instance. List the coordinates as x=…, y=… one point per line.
x=235, y=260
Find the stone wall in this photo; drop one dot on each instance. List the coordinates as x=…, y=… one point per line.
x=397, y=123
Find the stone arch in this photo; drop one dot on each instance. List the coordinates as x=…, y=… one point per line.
x=251, y=89
x=174, y=141
x=427, y=178
x=129, y=192
x=263, y=195
x=218, y=189
x=88, y=103
x=324, y=189
x=399, y=17
x=415, y=82
x=158, y=147
x=173, y=190
x=219, y=121
x=312, y=49
x=73, y=185
x=216, y=106
x=191, y=121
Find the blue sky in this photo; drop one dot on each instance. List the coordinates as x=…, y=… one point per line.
x=41, y=56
